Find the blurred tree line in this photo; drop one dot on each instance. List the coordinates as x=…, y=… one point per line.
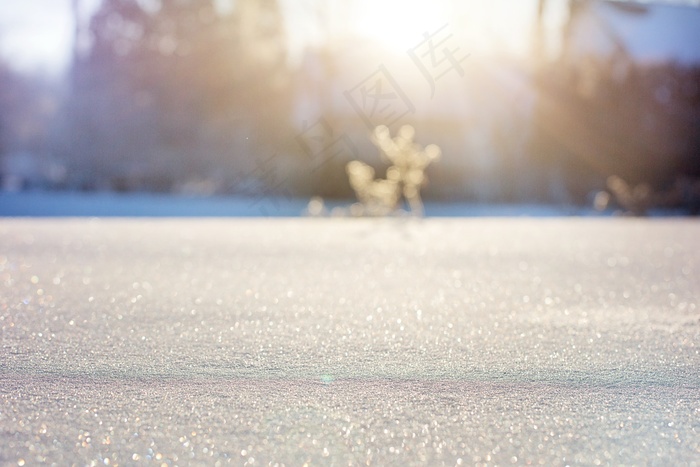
x=28, y=105
x=161, y=94
x=609, y=116
x=197, y=96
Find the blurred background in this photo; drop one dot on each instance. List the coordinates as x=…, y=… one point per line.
x=535, y=101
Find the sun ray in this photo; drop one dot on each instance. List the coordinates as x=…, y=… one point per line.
x=397, y=25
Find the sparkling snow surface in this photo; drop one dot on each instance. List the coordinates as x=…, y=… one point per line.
x=349, y=342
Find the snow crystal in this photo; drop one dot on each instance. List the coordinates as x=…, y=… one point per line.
x=255, y=345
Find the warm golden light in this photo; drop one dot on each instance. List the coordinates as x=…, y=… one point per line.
x=398, y=25
x=498, y=25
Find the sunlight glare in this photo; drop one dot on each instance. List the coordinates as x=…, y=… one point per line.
x=398, y=25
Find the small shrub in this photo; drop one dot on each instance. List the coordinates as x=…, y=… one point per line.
x=405, y=176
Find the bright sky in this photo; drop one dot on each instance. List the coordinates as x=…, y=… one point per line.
x=37, y=34
x=398, y=25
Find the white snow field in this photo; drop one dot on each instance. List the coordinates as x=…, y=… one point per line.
x=349, y=341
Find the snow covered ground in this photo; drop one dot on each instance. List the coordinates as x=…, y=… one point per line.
x=75, y=204
x=350, y=341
